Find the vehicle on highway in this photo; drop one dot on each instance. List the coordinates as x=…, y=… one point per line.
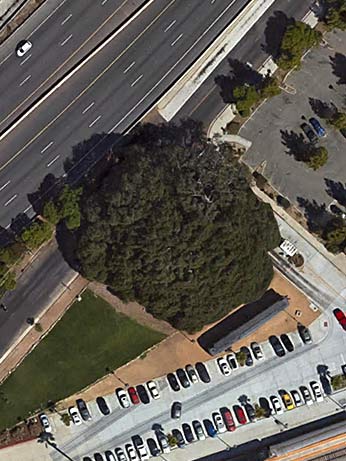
x=239, y=413
x=138, y=443
x=286, y=341
x=45, y=422
x=257, y=351
x=218, y=422
x=102, y=406
x=120, y=454
x=109, y=456
x=143, y=394
x=176, y=410
x=131, y=452
x=203, y=373
x=316, y=391
x=83, y=409
x=325, y=383
x=232, y=361
x=266, y=405
x=228, y=419
x=133, y=395
x=309, y=133
x=74, y=415
x=197, y=427
x=318, y=128
x=153, y=448
x=304, y=334
x=191, y=373
x=179, y=438
x=182, y=376
x=23, y=47
x=276, y=404
x=275, y=343
x=122, y=397
x=209, y=427
x=249, y=360
x=297, y=398
x=250, y=411
x=173, y=382
x=153, y=389
x=163, y=441
x=340, y=317
x=223, y=366
x=287, y=401
x=189, y=436
x=306, y=395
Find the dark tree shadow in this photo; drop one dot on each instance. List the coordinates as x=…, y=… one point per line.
x=6, y=237
x=296, y=145
x=338, y=62
x=317, y=216
x=336, y=190
x=322, y=109
x=48, y=190
x=67, y=243
x=19, y=223
x=240, y=74
x=243, y=399
x=274, y=32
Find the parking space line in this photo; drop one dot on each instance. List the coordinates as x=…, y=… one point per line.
x=53, y=161
x=66, y=40
x=11, y=199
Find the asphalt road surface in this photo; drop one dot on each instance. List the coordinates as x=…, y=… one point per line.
x=109, y=93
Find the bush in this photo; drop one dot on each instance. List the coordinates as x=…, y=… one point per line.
x=338, y=382
x=241, y=357
x=260, y=180
x=232, y=128
x=51, y=213
x=283, y=202
x=246, y=96
x=318, y=158
x=38, y=327
x=66, y=419
x=270, y=87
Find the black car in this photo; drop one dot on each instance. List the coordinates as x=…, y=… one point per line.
x=188, y=433
x=98, y=457
x=249, y=360
x=103, y=407
x=142, y=394
x=264, y=403
x=173, y=382
x=153, y=448
x=109, y=455
x=202, y=372
x=182, y=376
x=176, y=410
x=250, y=411
x=178, y=437
x=86, y=458
x=286, y=341
x=83, y=409
x=277, y=346
x=309, y=132
x=304, y=334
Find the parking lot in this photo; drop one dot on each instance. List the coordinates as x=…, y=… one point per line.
x=278, y=121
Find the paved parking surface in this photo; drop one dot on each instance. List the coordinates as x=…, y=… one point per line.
x=283, y=114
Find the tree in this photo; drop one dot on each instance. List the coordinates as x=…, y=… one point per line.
x=10, y=254
x=241, y=357
x=297, y=38
x=260, y=412
x=318, y=158
x=270, y=87
x=336, y=239
x=51, y=213
x=338, y=382
x=338, y=121
x=246, y=96
x=172, y=441
x=336, y=14
x=68, y=204
x=36, y=234
x=65, y=418
x=176, y=227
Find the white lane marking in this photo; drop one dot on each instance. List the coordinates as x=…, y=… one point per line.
x=24, y=60
x=47, y=147
x=66, y=40
x=25, y=80
x=129, y=67
x=27, y=209
x=11, y=199
x=95, y=121
x=104, y=2
x=6, y=184
x=52, y=161
x=137, y=80
x=175, y=41
x=171, y=25
x=66, y=19
x=88, y=107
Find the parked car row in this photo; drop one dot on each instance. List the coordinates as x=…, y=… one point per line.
x=230, y=362
x=313, y=130
x=138, y=394
x=183, y=378
x=283, y=344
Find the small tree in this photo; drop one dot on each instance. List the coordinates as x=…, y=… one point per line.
x=172, y=441
x=260, y=412
x=241, y=357
x=10, y=254
x=338, y=382
x=38, y=327
x=336, y=239
x=338, y=121
x=65, y=418
x=318, y=159
x=38, y=233
x=270, y=87
x=51, y=213
x=246, y=96
x=69, y=206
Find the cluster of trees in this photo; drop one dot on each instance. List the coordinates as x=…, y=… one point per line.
x=334, y=235
x=64, y=207
x=336, y=14
x=176, y=227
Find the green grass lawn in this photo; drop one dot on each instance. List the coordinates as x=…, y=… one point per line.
x=90, y=338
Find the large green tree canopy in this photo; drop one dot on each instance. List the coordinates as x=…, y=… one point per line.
x=176, y=227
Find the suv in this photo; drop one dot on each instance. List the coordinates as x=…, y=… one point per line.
x=286, y=341
x=173, y=382
x=176, y=410
x=103, y=407
x=304, y=334
x=277, y=346
x=182, y=376
x=23, y=47
x=319, y=130
x=142, y=394
x=202, y=372
x=83, y=409
x=309, y=133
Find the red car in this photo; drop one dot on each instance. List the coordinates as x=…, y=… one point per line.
x=239, y=412
x=228, y=419
x=133, y=395
x=341, y=317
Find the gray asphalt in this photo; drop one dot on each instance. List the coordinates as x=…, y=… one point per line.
x=120, y=83
x=61, y=33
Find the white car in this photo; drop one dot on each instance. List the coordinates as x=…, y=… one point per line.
x=191, y=373
x=218, y=421
x=122, y=397
x=142, y=453
x=131, y=452
x=232, y=361
x=45, y=423
x=277, y=406
x=109, y=456
x=306, y=395
x=223, y=366
x=23, y=47
x=257, y=351
x=152, y=388
x=297, y=399
x=163, y=442
x=74, y=415
x=120, y=454
x=316, y=391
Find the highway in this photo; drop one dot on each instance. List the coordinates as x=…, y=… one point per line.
x=61, y=33
x=109, y=93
